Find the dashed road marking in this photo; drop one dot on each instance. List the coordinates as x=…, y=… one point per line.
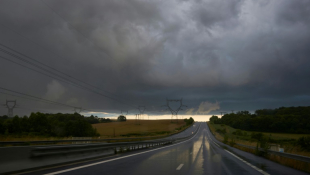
x=180, y=166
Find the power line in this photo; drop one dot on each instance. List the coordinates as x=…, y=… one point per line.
x=58, y=55
x=33, y=110
x=62, y=104
x=37, y=71
x=28, y=98
x=65, y=79
x=49, y=66
x=40, y=100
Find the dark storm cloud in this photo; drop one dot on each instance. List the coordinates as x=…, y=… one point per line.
x=211, y=13
x=229, y=54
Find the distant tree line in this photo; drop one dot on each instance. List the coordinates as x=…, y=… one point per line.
x=281, y=120
x=56, y=125
x=94, y=119
x=121, y=118
x=189, y=121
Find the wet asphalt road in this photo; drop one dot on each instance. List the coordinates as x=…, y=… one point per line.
x=202, y=154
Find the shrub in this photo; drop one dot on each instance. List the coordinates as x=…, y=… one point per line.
x=304, y=142
x=232, y=142
x=221, y=131
x=225, y=139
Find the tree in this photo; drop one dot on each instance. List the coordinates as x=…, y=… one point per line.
x=121, y=118
x=304, y=142
x=214, y=119
x=189, y=121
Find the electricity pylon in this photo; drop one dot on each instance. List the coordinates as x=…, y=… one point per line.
x=124, y=112
x=137, y=119
x=223, y=113
x=141, y=110
x=10, y=108
x=78, y=109
x=174, y=113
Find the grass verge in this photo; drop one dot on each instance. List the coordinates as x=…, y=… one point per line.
x=300, y=165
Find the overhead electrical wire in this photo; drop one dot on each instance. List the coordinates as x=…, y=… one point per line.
x=22, y=59
x=62, y=78
x=27, y=98
x=48, y=65
x=62, y=104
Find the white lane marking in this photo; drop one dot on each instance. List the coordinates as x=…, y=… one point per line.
x=257, y=169
x=180, y=166
x=105, y=161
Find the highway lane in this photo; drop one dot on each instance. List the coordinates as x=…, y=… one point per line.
x=199, y=155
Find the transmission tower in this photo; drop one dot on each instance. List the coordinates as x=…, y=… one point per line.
x=77, y=110
x=123, y=113
x=10, y=108
x=137, y=119
x=141, y=110
x=174, y=113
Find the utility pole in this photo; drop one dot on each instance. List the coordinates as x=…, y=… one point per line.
x=174, y=113
x=10, y=108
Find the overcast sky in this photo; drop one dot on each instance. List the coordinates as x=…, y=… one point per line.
x=216, y=55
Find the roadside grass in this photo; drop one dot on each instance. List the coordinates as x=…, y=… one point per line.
x=288, y=146
x=143, y=128
x=285, y=140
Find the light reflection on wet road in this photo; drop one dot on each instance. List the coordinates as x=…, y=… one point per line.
x=199, y=155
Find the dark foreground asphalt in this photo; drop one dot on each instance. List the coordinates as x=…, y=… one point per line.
x=200, y=155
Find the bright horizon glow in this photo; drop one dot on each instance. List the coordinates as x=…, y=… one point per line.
x=159, y=117
x=149, y=117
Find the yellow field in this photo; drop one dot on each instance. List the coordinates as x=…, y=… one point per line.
x=122, y=129
x=131, y=128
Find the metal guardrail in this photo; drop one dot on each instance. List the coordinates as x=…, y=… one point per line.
x=15, y=159
x=287, y=155
x=84, y=140
x=93, y=147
